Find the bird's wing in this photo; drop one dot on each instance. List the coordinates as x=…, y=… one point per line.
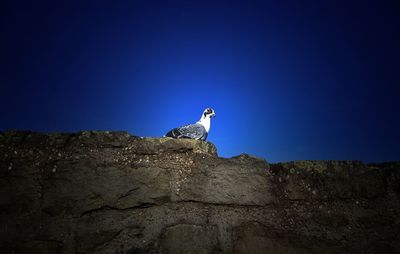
x=194, y=131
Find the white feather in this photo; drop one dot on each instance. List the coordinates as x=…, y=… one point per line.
x=205, y=121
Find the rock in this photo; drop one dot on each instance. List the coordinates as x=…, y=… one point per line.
x=328, y=180
x=231, y=181
x=184, y=238
x=111, y=192
x=160, y=145
x=255, y=238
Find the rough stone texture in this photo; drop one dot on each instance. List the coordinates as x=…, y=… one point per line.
x=110, y=192
x=186, y=238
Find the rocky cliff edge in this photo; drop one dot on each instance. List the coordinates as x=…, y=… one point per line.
x=110, y=192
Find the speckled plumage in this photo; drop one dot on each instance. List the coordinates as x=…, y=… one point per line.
x=197, y=131
x=193, y=131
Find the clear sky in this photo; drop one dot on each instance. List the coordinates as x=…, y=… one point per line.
x=288, y=80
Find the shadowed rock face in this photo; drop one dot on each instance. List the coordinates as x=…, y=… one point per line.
x=110, y=192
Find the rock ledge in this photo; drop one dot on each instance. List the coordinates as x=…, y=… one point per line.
x=111, y=192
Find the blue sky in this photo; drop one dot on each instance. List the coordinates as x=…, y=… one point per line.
x=288, y=81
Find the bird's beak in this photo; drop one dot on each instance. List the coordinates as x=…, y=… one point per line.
x=214, y=115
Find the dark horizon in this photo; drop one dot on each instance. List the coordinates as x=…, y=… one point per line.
x=288, y=81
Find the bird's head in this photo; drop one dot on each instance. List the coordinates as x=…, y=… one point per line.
x=209, y=113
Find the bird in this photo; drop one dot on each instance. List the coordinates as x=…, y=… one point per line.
x=198, y=130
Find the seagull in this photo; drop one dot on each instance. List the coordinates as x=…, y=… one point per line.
x=198, y=131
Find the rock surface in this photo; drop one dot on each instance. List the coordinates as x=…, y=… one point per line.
x=110, y=192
